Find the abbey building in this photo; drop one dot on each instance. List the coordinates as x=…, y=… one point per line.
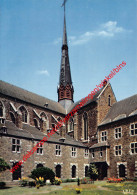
x=103, y=131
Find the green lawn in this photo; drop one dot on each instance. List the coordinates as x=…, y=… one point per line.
x=98, y=188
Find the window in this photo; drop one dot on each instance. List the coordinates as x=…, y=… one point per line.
x=74, y=153
x=101, y=152
x=118, y=133
x=71, y=124
x=86, y=171
x=134, y=148
x=35, y=123
x=62, y=94
x=118, y=150
x=133, y=128
x=16, y=145
x=24, y=114
x=103, y=136
x=86, y=152
x=17, y=173
x=85, y=117
x=12, y=117
x=39, y=149
x=68, y=93
x=73, y=171
x=58, y=150
x=1, y=109
x=109, y=100
x=39, y=165
x=93, y=153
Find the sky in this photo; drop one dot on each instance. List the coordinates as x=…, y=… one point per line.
x=101, y=34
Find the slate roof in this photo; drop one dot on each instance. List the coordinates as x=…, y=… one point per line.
x=30, y=132
x=24, y=95
x=99, y=145
x=65, y=72
x=122, y=109
x=95, y=97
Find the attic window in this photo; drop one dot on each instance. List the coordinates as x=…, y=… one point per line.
x=46, y=105
x=62, y=139
x=4, y=129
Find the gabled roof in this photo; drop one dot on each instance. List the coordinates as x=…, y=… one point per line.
x=29, y=97
x=30, y=132
x=95, y=98
x=122, y=109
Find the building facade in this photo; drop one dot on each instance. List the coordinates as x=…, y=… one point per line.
x=103, y=131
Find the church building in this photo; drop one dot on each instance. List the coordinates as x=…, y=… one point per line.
x=103, y=131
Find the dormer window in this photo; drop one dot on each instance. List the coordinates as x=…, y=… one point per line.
x=12, y=117
x=36, y=123
x=24, y=114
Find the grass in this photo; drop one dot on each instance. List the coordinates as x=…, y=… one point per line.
x=98, y=188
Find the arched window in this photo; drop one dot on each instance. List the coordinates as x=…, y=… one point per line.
x=121, y=170
x=71, y=124
x=17, y=173
x=73, y=171
x=86, y=171
x=85, y=117
x=62, y=94
x=35, y=123
x=1, y=109
x=24, y=114
x=45, y=121
x=68, y=93
x=58, y=171
x=39, y=165
x=109, y=100
x=12, y=117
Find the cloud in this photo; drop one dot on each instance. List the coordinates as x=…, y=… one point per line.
x=43, y=72
x=108, y=29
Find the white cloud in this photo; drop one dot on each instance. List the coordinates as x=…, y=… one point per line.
x=108, y=29
x=43, y=72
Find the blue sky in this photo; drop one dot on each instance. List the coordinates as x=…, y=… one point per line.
x=101, y=34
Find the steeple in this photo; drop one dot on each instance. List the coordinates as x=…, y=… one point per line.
x=65, y=88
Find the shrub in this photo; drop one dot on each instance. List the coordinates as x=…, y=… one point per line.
x=40, y=181
x=23, y=182
x=2, y=185
x=115, y=180
x=57, y=181
x=32, y=184
x=135, y=179
x=69, y=180
x=93, y=172
x=44, y=172
x=3, y=165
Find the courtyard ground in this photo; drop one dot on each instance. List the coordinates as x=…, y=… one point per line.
x=98, y=188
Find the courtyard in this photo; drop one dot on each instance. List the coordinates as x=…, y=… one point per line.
x=98, y=188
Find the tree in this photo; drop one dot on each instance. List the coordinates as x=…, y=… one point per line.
x=44, y=172
x=93, y=172
x=3, y=165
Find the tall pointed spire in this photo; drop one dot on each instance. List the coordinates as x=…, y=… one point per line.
x=65, y=88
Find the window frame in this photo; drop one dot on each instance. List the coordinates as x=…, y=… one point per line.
x=39, y=148
x=57, y=150
x=74, y=152
x=16, y=145
x=93, y=153
x=118, y=128
x=86, y=153
x=118, y=150
x=135, y=129
x=102, y=136
x=135, y=148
